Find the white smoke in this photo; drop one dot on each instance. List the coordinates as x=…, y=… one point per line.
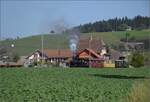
x=73, y=40
x=73, y=44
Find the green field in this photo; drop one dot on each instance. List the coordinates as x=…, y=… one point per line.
x=74, y=85
x=26, y=46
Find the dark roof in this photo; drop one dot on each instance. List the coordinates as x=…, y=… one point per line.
x=114, y=54
x=95, y=44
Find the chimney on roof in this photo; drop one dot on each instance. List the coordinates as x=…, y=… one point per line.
x=103, y=44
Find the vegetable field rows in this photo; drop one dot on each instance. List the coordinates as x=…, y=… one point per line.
x=68, y=85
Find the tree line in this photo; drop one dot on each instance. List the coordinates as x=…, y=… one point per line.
x=117, y=24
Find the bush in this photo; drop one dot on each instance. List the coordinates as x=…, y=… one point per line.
x=15, y=57
x=137, y=59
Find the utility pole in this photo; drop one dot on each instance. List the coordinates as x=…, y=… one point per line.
x=127, y=35
x=42, y=39
x=127, y=46
x=116, y=24
x=89, y=51
x=58, y=48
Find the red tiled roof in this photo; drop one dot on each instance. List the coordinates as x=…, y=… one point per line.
x=58, y=52
x=95, y=44
x=90, y=52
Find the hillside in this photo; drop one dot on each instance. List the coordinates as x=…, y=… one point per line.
x=25, y=46
x=114, y=37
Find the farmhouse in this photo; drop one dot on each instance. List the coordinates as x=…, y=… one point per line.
x=49, y=55
x=59, y=56
x=96, y=44
x=89, y=58
x=89, y=53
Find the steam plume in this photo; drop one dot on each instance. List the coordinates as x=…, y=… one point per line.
x=74, y=38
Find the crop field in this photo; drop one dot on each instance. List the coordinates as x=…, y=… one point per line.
x=74, y=85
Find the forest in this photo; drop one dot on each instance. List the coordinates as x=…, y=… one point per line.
x=116, y=24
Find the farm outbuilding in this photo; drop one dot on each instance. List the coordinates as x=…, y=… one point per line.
x=19, y=63
x=110, y=58
x=121, y=63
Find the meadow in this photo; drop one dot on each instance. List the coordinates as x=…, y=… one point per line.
x=74, y=85
x=27, y=45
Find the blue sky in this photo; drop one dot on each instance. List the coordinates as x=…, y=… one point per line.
x=25, y=18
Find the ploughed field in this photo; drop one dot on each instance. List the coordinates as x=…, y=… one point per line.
x=73, y=84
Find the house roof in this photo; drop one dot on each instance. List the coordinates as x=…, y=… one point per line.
x=57, y=53
x=36, y=52
x=54, y=53
x=86, y=53
x=114, y=54
x=95, y=44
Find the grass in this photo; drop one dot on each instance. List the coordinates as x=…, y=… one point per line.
x=25, y=46
x=140, y=92
x=114, y=37
x=72, y=84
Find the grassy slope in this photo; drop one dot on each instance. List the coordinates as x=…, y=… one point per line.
x=27, y=45
x=114, y=37
x=69, y=85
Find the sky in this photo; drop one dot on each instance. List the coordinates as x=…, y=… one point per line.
x=25, y=18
